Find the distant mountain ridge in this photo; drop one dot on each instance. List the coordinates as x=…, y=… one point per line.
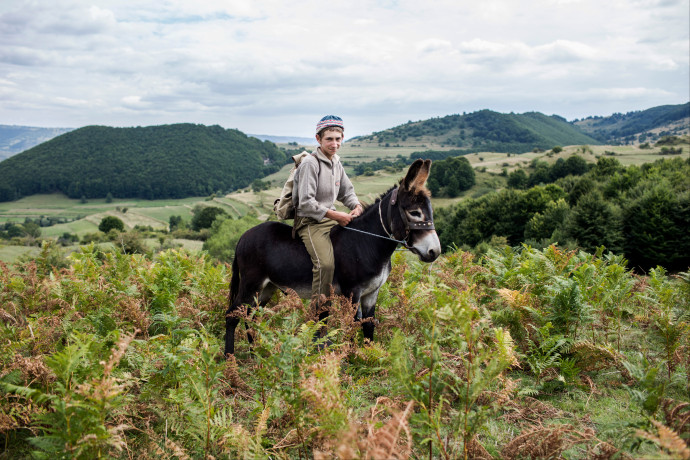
x=285, y=139
x=167, y=161
x=630, y=126
x=180, y=160
x=486, y=130
x=15, y=139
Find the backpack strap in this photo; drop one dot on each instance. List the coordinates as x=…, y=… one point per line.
x=318, y=173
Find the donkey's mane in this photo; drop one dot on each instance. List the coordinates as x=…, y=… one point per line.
x=418, y=191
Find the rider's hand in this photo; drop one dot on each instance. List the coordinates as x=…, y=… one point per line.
x=357, y=211
x=342, y=218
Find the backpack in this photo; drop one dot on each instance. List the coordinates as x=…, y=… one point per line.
x=283, y=206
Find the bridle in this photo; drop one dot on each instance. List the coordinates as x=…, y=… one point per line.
x=423, y=225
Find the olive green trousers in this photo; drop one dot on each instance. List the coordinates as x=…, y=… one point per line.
x=316, y=237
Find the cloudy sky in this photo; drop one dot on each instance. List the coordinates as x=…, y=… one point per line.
x=276, y=66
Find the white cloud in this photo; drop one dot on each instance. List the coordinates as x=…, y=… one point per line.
x=241, y=63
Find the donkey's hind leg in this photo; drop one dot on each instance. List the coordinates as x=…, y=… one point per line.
x=246, y=295
x=261, y=299
x=251, y=296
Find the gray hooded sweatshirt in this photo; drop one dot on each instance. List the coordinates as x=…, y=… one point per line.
x=313, y=197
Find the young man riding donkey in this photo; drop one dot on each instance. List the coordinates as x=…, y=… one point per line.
x=320, y=180
x=350, y=256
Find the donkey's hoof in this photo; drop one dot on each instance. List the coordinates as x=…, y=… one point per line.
x=324, y=345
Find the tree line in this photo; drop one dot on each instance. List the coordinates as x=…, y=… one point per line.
x=642, y=212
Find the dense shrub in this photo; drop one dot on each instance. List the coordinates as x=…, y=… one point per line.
x=225, y=232
x=205, y=215
x=111, y=223
x=639, y=211
x=451, y=176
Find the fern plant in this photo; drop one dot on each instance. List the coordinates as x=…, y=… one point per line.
x=567, y=310
x=81, y=403
x=285, y=349
x=546, y=351
x=670, y=323
x=202, y=417
x=458, y=359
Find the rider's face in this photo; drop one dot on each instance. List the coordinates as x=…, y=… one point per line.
x=330, y=142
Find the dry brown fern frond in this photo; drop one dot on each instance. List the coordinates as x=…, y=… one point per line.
x=451, y=280
x=342, y=316
x=476, y=451
x=500, y=397
x=677, y=417
x=176, y=449
x=291, y=301
x=397, y=274
x=231, y=374
x=32, y=368
x=7, y=318
x=131, y=310
x=321, y=389
x=667, y=440
x=386, y=442
x=545, y=442
x=530, y=410
x=591, y=357
x=606, y=451
x=515, y=299
x=17, y=412
x=188, y=310
x=366, y=441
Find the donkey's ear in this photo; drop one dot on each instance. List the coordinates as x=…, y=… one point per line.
x=410, y=178
x=421, y=174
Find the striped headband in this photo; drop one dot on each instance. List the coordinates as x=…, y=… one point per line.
x=328, y=121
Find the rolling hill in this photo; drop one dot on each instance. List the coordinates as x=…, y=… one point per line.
x=639, y=125
x=486, y=130
x=167, y=161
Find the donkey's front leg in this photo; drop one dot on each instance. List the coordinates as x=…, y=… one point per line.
x=368, y=306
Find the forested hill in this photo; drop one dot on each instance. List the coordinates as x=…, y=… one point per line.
x=486, y=130
x=638, y=125
x=167, y=161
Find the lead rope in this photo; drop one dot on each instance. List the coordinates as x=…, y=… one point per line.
x=389, y=237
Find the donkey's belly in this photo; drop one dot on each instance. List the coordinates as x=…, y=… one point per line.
x=302, y=285
x=373, y=285
x=304, y=290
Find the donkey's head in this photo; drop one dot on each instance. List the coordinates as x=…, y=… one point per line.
x=414, y=220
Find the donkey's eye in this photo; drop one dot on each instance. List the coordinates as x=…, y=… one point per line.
x=415, y=214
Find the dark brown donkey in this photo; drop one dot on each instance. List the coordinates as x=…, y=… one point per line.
x=268, y=258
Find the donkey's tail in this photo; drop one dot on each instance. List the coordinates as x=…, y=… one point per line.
x=235, y=281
